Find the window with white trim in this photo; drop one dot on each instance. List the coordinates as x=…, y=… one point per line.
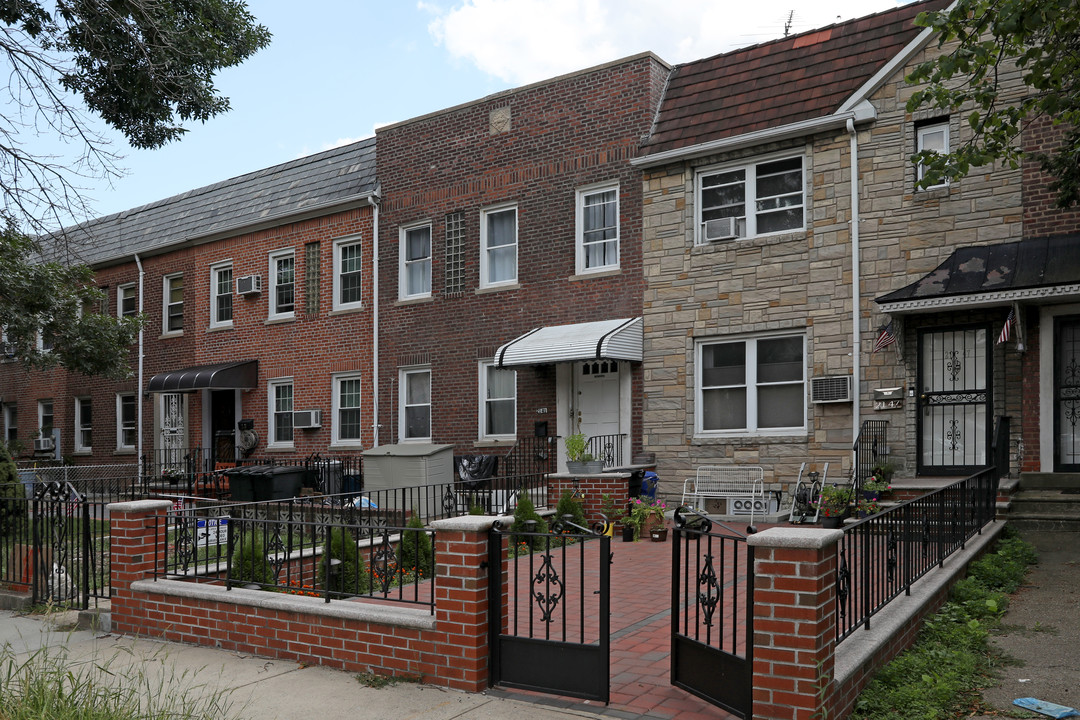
x=45, y=418
x=126, y=417
x=282, y=285
x=221, y=295
x=752, y=199
x=348, y=273
x=597, y=229
x=127, y=302
x=415, y=269
x=172, y=305
x=11, y=422
x=347, y=421
x=498, y=402
x=415, y=402
x=83, y=425
x=934, y=137
x=498, y=246
x=751, y=386
x=280, y=400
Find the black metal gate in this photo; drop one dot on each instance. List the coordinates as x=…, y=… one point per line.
x=69, y=559
x=1067, y=394
x=712, y=600
x=549, y=615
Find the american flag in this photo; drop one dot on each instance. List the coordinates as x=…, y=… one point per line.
x=885, y=337
x=1007, y=330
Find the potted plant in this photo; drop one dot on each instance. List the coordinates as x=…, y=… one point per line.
x=612, y=516
x=873, y=487
x=578, y=460
x=867, y=507
x=647, y=516
x=883, y=472
x=172, y=475
x=833, y=505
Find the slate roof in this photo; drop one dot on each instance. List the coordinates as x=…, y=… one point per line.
x=1021, y=264
x=780, y=82
x=257, y=198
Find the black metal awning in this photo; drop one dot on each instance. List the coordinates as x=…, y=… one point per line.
x=242, y=375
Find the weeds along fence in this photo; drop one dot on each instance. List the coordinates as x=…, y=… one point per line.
x=297, y=547
x=882, y=555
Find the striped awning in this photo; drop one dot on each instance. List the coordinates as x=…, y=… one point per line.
x=222, y=376
x=601, y=340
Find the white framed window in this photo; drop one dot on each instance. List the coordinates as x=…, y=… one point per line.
x=348, y=273
x=282, y=284
x=45, y=342
x=127, y=301
x=498, y=402
x=172, y=304
x=597, y=228
x=415, y=266
x=751, y=386
x=280, y=402
x=221, y=295
x=498, y=246
x=750, y=199
x=45, y=418
x=935, y=137
x=11, y=422
x=84, y=427
x=126, y=417
x=347, y=424
x=414, y=399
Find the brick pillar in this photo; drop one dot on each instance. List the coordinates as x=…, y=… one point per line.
x=132, y=528
x=794, y=622
x=593, y=487
x=461, y=598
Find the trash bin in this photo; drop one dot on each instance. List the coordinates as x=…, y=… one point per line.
x=650, y=485
x=634, y=482
x=280, y=482
x=330, y=478
x=241, y=486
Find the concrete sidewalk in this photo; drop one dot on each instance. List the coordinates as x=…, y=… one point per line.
x=258, y=687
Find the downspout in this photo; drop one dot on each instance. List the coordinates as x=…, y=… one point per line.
x=375, y=322
x=856, y=319
x=139, y=393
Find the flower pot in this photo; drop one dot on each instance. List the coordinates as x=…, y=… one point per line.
x=832, y=523
x=659, y=534
x=584, y=467
x=873, y=495
x=628, y=533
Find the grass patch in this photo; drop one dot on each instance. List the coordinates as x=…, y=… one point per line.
x=941, y=674
x=377, y=681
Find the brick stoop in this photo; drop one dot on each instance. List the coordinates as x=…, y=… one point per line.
x=1048, y=502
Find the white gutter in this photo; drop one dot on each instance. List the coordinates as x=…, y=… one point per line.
x=139, y=393
x=375, y=321
x=856, y=290
x=862, y=112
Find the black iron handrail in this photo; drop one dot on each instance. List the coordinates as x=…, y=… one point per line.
x=871, y=449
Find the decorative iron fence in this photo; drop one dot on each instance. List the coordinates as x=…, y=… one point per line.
x=608, y=448
x=882, y=555
x=299, y=548
x=192, y=471
x=531, y=456
x=871, y=449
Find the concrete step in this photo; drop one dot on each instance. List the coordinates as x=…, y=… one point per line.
x=1049, y=481
x=1045, y=510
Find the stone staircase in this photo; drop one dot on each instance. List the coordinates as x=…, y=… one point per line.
x=1046, y=502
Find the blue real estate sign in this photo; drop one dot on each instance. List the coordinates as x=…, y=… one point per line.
x=211, y=531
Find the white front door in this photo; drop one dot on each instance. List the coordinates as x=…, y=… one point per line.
x=597, y=407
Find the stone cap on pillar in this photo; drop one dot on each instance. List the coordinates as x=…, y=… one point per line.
x=136, y=506
x=795, y=538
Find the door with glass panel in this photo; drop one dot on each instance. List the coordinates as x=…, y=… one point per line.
x=954, y=400
x=1067, y=394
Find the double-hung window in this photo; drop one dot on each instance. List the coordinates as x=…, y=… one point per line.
x=282, y=284
x=498, y=406
x=280, y=400
x=751, y=199
x=126, y=300
x=221, y=295
x=597, y=229
x=347, y=426
x=348, y=276
x=498, y=246
x=126, y=417
x=45, y=418
x=172, y=306
x=415, y=403
x=415, y=276
x=11, y=422
x=751, y=386
x=83, y=425
x=934, y=137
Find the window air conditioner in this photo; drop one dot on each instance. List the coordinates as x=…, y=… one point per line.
x=44, y=444
x=249, y=285
x=830, y=389
x=9, y=350
x=721, y=229
x=307, y=419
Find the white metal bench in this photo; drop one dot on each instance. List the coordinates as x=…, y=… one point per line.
x=743, y=487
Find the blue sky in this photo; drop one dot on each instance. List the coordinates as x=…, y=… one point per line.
x=335, y=70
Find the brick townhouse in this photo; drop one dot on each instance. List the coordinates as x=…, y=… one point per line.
x=783, y=235
x=258, y=301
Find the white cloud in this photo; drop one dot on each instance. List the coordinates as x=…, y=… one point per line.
x=521, y=41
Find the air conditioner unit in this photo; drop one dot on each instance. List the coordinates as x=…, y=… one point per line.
x=307, y=419
x=44, y=444
x=9, y=350
x=249, y=285
x=830, y=389
x=721, y=229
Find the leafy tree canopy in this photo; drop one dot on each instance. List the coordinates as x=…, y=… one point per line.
x=1041, y=38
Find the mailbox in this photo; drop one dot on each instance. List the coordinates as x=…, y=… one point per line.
x=889, y=398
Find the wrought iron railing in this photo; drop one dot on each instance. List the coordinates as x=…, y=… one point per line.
x=871, y=449
x=530, y=456
x=191, y=471
x=298, y=548
x=882, y=555
x=608, y=448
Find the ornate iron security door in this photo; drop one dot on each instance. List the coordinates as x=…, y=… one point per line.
x=712, y=601
x=954, y=400
x=549, y=614
x=1067, y=394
